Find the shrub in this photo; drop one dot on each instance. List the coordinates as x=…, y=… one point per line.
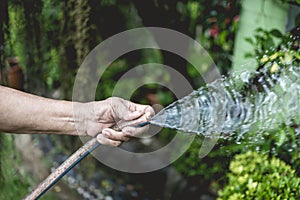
x=255, y=176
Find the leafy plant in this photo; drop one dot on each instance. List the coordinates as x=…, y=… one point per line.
x=274, y=50
x=219, y=28
x=256, y=176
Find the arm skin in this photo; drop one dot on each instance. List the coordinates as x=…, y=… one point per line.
x=21, y=112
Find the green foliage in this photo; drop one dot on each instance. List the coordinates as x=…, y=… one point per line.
x=13, y=184
x=255, y=176
x=293, y=2
x=218, y=30
x=210, y=168
x=282, y=142
x=51, y=16
x=16, y=26
x=214, y=24
x=34, y=38
x=68, y=30
x=274, y=50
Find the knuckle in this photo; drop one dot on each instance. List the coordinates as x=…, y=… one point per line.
x=127, y=134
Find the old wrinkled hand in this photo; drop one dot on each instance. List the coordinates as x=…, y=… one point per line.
x=117, y=119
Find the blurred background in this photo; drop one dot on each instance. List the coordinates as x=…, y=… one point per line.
x=43, y=43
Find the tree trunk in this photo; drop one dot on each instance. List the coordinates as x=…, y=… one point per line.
x=75, y=41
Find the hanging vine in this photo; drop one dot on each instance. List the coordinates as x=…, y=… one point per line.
x=81, y=15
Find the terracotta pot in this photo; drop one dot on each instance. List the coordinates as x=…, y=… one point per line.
x=15, y=78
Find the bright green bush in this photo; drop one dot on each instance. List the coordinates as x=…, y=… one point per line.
x=256, y=176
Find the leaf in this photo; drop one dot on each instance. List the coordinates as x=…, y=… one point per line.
x=249, y=40
x=260, y=30
x=223, y=36
x=268, y=43
x=276, y=33
x=282, y=138
x=249, y=55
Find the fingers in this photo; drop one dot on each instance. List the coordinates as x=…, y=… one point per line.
x=145, y=109
x=114, y=135
x=115, y=138
x=127, y=110
x=141, y=110
x=106, y=141
x=142, y=115
x=127, y=115
x=131, y=131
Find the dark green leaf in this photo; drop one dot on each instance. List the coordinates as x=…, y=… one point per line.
x=249, y=55
x=276, y=33
x=249, y=40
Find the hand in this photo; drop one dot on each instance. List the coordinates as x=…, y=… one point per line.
x=116, y=119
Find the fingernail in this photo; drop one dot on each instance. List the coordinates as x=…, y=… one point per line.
x=100, y=138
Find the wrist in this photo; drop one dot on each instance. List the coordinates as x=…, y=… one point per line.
x=90, y=117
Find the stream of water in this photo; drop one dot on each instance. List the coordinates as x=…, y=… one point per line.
x=237, y=104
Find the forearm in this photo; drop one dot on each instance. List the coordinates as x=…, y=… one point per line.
x=25, y=113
